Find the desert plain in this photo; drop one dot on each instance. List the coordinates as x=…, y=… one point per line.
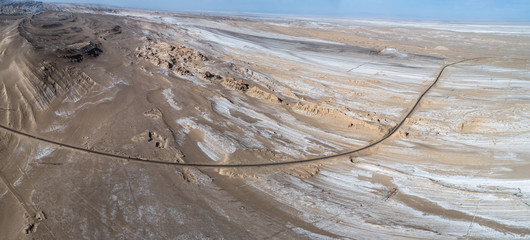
x=132, y=124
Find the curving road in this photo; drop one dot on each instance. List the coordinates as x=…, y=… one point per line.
x=209, y=165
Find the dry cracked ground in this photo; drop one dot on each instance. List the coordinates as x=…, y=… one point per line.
x=169, y=90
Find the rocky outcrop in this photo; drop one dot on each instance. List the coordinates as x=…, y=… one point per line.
x=180, y=59
x=153, y=113
x=373, y=122
x=235, y=84
x=151, y=138
x=261, y=94
x=79, y=51
x=257, y=77
x=210, y=76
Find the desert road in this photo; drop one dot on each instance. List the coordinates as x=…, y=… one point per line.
x=270, y=164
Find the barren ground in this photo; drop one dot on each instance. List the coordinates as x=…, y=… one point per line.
x=127, y=124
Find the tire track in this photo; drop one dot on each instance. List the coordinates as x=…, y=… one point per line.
x=271, y=164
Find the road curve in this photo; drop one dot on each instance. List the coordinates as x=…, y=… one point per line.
x=209, y=165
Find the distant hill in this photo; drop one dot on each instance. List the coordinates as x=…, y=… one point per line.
x=10, y=7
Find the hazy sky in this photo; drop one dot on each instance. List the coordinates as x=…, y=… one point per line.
x=466, y=10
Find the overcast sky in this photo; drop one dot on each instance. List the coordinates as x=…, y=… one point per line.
x=456, y=10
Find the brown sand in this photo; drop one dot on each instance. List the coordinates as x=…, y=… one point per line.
x=246, y=90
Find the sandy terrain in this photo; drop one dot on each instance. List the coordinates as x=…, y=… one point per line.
x=127, y=124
